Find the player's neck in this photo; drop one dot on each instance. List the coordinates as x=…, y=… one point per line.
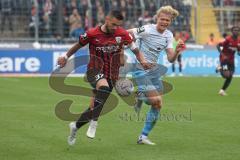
x=234, y=37
x=103, y=28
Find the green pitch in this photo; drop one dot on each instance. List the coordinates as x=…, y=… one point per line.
x=196, y=124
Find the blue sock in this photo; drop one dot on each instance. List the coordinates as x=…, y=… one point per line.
x=151, y=119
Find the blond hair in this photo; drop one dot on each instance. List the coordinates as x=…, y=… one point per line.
x=168, y=10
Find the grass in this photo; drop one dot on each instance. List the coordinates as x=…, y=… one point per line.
x=196, y=124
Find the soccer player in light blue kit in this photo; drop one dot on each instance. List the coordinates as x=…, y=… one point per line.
x=151, y=40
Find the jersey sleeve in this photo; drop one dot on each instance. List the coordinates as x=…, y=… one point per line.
x=140, y=32
x=170, y=40
x=128, y=39
x=84, y=39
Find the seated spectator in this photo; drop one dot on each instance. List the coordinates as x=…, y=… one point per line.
x=216, y=3
x=75, y=22
x=100, y=16
x=237, y=3
x=145, y=19
x=212, y=41
x=33, y=22
x=6, y=8
x=46, y=18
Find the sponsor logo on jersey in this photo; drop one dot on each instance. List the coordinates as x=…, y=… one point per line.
x=108, y=49
x=118, y=39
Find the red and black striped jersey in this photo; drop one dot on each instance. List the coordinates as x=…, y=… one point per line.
x=105, y=49
x=230, y=46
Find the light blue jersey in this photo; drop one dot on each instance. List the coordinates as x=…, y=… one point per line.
x=151, y=42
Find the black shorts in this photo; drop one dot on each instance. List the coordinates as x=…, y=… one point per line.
x=226, y=66
x=94, y=76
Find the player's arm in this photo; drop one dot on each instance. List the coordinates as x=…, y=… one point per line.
x=137, y=32
x=172, y=55
x=83, y=40
x=133, y=32
x=219, y=47
x=63, y=59
x=140, y=57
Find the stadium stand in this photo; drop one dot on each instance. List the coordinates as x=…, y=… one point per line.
x=64, y=20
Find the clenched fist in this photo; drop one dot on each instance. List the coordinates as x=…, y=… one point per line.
x=180, y=47
x=62, y=61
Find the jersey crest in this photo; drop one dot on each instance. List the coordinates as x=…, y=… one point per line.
x=84, y=36
x=118, y=39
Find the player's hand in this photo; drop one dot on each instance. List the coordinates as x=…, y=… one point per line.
x=147, y=66
x=62, y=61
x=180, y=47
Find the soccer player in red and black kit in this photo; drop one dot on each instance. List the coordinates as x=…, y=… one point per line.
x=227, y=50
x=105, y=45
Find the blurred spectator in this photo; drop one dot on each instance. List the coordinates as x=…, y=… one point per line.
x=123, y=7
x=237, y=3
x=45, y=25
x=33, y=21
x=83, y=8
x=216, y=3
x=51, y=24
x=87, y=22
x=100, y=16
x=76, y=27
x=94, y=13
x=130, y=10
x=145, y=19
x=212, y=41
x=228, y=2
x=65, y=22
x=115, y=4
x=187, y=11
x=58, y=39
x=73, y=4
x=184, y=35
x=107, y=6
x=6, y=8
x=151, y=8
x=229, y=14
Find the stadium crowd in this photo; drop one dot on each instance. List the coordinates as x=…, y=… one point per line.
x=69, y=18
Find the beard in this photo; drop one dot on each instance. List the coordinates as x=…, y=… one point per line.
x=109, y=30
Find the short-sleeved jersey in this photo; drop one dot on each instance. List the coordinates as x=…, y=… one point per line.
x=104, y=50
x=230, y=46
x=151, y=42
